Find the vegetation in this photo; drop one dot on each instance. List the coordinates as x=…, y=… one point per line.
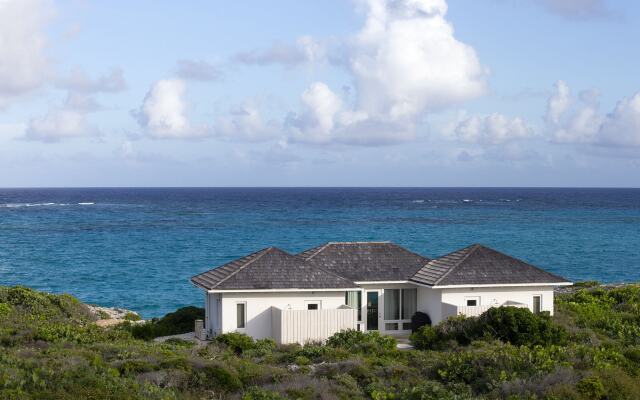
x=180, y=321
x=51, y=348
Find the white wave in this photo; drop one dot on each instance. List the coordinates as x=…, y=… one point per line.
x=87, y=203
x=467, y=200
x=418, y=201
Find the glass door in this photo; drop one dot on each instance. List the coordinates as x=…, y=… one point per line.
x=372, y=311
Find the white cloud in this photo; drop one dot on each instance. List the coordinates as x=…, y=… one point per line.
x=197, y=70
x=492, y=129
x=163, y=112
x=579, y=121
x=622, y=126
x=405, y=62
x=59, y=124
x=79, y=82
x=558, y=103
x=245, y=122
x=23, y=61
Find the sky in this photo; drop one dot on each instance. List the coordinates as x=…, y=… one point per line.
x=320, y=93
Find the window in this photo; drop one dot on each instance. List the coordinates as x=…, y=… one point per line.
x=399, y=307
x=241, y=315
x=354, y=300
x=472, y=301
x=537, y=304
x=313, y=304
x=409, y=302
x=391, y=304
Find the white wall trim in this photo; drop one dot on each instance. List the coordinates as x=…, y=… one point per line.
x=281, y=290
x=497, y=285
x=379, y=282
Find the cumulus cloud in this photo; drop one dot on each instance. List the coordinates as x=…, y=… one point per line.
x=59, y=124
x=197, y=70
x=163, y=112
x=324, y=119
x=245, y=122
x=24, y=64
x=406, y=62
x=578, y=120
x=576, y=9
x=622, y=126
x=79, y=82
x=492, y=129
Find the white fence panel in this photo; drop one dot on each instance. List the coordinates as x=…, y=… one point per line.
x=474, y=311
x=301, y=326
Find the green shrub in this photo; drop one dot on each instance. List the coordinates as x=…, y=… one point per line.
x=424, y=338
x=519, y=326
x=177, y=322
x=257, y=393
x=591, y=387
x=131, y=316
x=360, y=342
x=239, y=342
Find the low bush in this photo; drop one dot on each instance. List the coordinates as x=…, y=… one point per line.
x=177, y=322
x=418, y=320
x=360, y=342
x=238, y=342
x=517, y=326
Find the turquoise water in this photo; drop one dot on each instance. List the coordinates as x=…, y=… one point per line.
x=137, y=248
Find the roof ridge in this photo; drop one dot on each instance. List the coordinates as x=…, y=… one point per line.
x=362, y=242
x=327, y=271
x=263, y=251
x=473, y=247
x=320, y=248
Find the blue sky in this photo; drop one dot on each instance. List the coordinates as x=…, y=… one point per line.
x=320, y=93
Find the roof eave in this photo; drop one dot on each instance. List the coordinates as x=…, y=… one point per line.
x=282, y=290
x=498, y=285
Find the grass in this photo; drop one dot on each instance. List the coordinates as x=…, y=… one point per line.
x=51, y=348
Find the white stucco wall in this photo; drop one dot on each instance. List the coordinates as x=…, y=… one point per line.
x=259, y=308
x=213, y=318
x=497, y=295
x=430, y=302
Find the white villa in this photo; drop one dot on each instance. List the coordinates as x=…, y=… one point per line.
x=366, y=286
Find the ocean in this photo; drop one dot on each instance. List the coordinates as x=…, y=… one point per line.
x=137, y=248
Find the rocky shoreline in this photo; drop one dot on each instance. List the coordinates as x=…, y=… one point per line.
x=109, y=316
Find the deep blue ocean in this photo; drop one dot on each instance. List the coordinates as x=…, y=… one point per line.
x=137, y=248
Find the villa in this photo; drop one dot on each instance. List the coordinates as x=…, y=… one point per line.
x=370, y=286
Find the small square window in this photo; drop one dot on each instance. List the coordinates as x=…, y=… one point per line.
x=312, y=306
x=472, y=302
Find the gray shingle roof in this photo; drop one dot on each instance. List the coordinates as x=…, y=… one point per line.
x=480, y=265
x=366, y=261
x=270, y=268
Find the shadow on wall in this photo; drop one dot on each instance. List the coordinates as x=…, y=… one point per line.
x=448, y=310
